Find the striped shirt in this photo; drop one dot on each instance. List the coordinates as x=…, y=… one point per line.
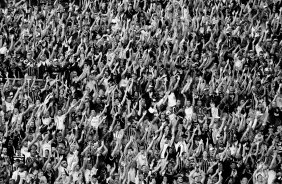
x=205, y=164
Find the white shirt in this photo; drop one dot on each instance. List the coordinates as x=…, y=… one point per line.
x=182, y=145
x=46, y=146
x=279, y=101
x=95, y=121
x=233, y=149
x=131, y=175
x=123, y=83
x=142, y=160
x=258, y=49
x=21, y=174
x=162, y=143
x=75, y=175
x=238, y=63
x=14, y=118
x=271, y=176
x=89, y=173
x=119, y=134
x=59, y=121
x=3, y=50
x=137, y=181
x=24, y=152
x=171, y=100
x=214, y=112
x=72, y=160
x=62, y=169
x=91, y=85
x=9, y=106
x=46, y=121
x=188, y=112
x=164, y=150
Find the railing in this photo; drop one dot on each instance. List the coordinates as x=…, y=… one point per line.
x=28, y=79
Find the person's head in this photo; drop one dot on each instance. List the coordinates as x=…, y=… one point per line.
x=61, y=148
x=77, y=167
x=33, y=152
x=191, y=162
x=178, y=102
x=215, y=179
x=199, y=103
x=141, y=176
x=48, y=166
x=144, y=168
x=25, y=143
x=46, y=152
x=242, y=101
x=179, y=179
x=42, y=180
x=21, y=167
x=233, y=165
x=279, y=157
x=35, y=171
x=244, y=180
x=59, y=137
x=118, y=127
x=153, y=180
x=142, y=149
x=60, y=112
x=260, y=178
x=4, y=150
x=73, y=148
x=161, y=93
x=64, y=163
x=197, y=167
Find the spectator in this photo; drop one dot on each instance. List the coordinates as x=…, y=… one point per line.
x=141, y=91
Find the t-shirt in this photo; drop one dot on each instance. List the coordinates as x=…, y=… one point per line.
x=89, y=173
x=59, y=120
x=17, y=174
x=95, y=121
x=279, y=101
x=188, y=112
x=171, y=100
x=142, y=160
x=3, y=50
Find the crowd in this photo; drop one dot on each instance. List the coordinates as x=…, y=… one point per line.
x=141, y=92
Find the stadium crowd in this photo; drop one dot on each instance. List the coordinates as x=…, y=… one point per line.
x=141, y=92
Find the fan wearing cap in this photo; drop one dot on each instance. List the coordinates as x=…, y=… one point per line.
x=179, y=178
